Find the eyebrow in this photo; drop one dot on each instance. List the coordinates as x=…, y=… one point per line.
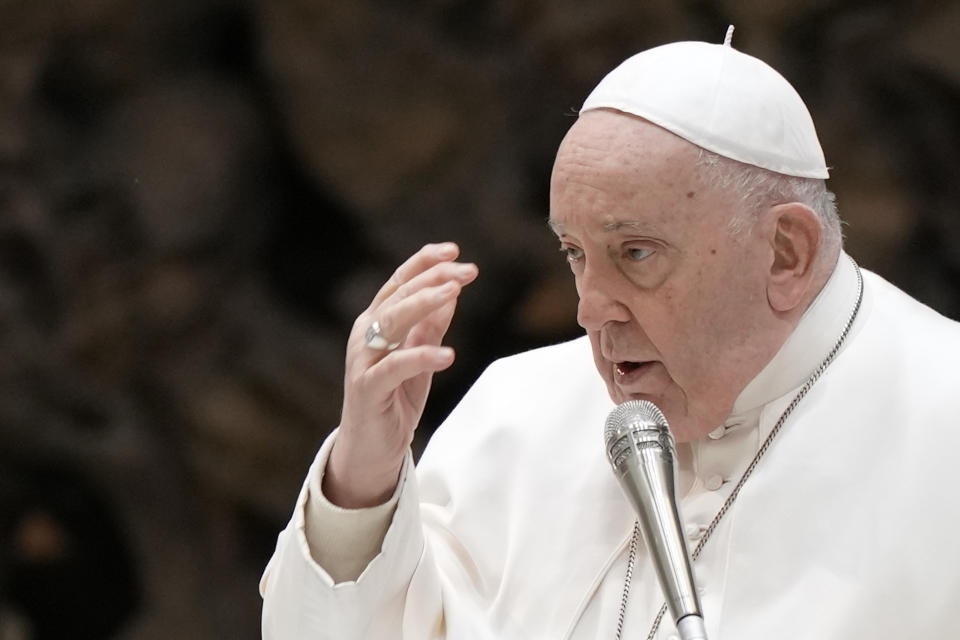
x=611, y=227
x=631, y=224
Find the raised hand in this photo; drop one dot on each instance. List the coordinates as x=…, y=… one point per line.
x=389, y=368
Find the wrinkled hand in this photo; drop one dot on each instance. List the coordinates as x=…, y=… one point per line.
x=385, y=391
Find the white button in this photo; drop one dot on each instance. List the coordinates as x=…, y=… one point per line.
x=673, y=637
x=713, y=483
x=717, y=433
x=693, y=530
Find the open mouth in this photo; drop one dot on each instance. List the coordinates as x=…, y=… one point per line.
x=624, y=369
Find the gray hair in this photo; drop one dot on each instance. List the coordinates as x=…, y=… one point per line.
x=760, y=188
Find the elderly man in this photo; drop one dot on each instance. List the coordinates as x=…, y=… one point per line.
x=814, y=406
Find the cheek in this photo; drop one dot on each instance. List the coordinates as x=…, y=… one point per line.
x=598, y=359
x=688, y=327
x=602, y=366
x=715, y=323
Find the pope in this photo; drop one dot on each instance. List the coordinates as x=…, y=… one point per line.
x=813, y=403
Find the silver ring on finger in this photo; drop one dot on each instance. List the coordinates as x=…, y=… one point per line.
x=376, y=340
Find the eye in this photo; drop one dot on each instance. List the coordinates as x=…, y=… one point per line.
x=572, y=254
x=636, y=254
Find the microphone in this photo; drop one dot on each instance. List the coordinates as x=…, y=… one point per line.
x=641, y=451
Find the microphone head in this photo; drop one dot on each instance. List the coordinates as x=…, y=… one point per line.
x=633, y=425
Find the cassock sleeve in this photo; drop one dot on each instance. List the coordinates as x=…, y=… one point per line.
x=302, y=598
x=343, y=541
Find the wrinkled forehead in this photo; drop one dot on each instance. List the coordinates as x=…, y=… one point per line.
x=618, y=173
x=607, y=132
x=619, y=153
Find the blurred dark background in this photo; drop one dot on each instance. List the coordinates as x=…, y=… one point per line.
x=198, y=196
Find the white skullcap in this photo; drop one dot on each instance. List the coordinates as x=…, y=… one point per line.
x=720, y=99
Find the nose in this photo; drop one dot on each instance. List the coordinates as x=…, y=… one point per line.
x=600, y=301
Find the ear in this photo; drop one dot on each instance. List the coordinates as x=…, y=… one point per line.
x=794, y=237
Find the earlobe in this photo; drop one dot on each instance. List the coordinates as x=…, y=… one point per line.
x=795, y=237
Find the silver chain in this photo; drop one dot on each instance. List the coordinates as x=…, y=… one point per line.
x=635, y=538
x=631, y=560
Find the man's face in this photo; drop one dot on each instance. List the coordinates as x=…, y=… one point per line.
x=675, y=306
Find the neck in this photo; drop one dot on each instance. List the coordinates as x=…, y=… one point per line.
x=809, y=338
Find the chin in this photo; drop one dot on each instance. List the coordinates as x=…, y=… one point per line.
x=682, y=426
x=671, y=401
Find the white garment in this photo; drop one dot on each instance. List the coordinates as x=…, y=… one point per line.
x=513, y=525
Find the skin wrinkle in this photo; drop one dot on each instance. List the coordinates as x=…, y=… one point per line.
x=694, y=308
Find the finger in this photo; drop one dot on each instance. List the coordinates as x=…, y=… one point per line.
x=398, y=367
x=419, y=262
x=398, y=317
x=438, y=274
x=434, y=327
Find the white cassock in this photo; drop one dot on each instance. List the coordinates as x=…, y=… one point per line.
x=514, y=527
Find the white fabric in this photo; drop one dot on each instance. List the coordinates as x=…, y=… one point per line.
x=513, y=526
x=720, y=99
x=343, y=541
